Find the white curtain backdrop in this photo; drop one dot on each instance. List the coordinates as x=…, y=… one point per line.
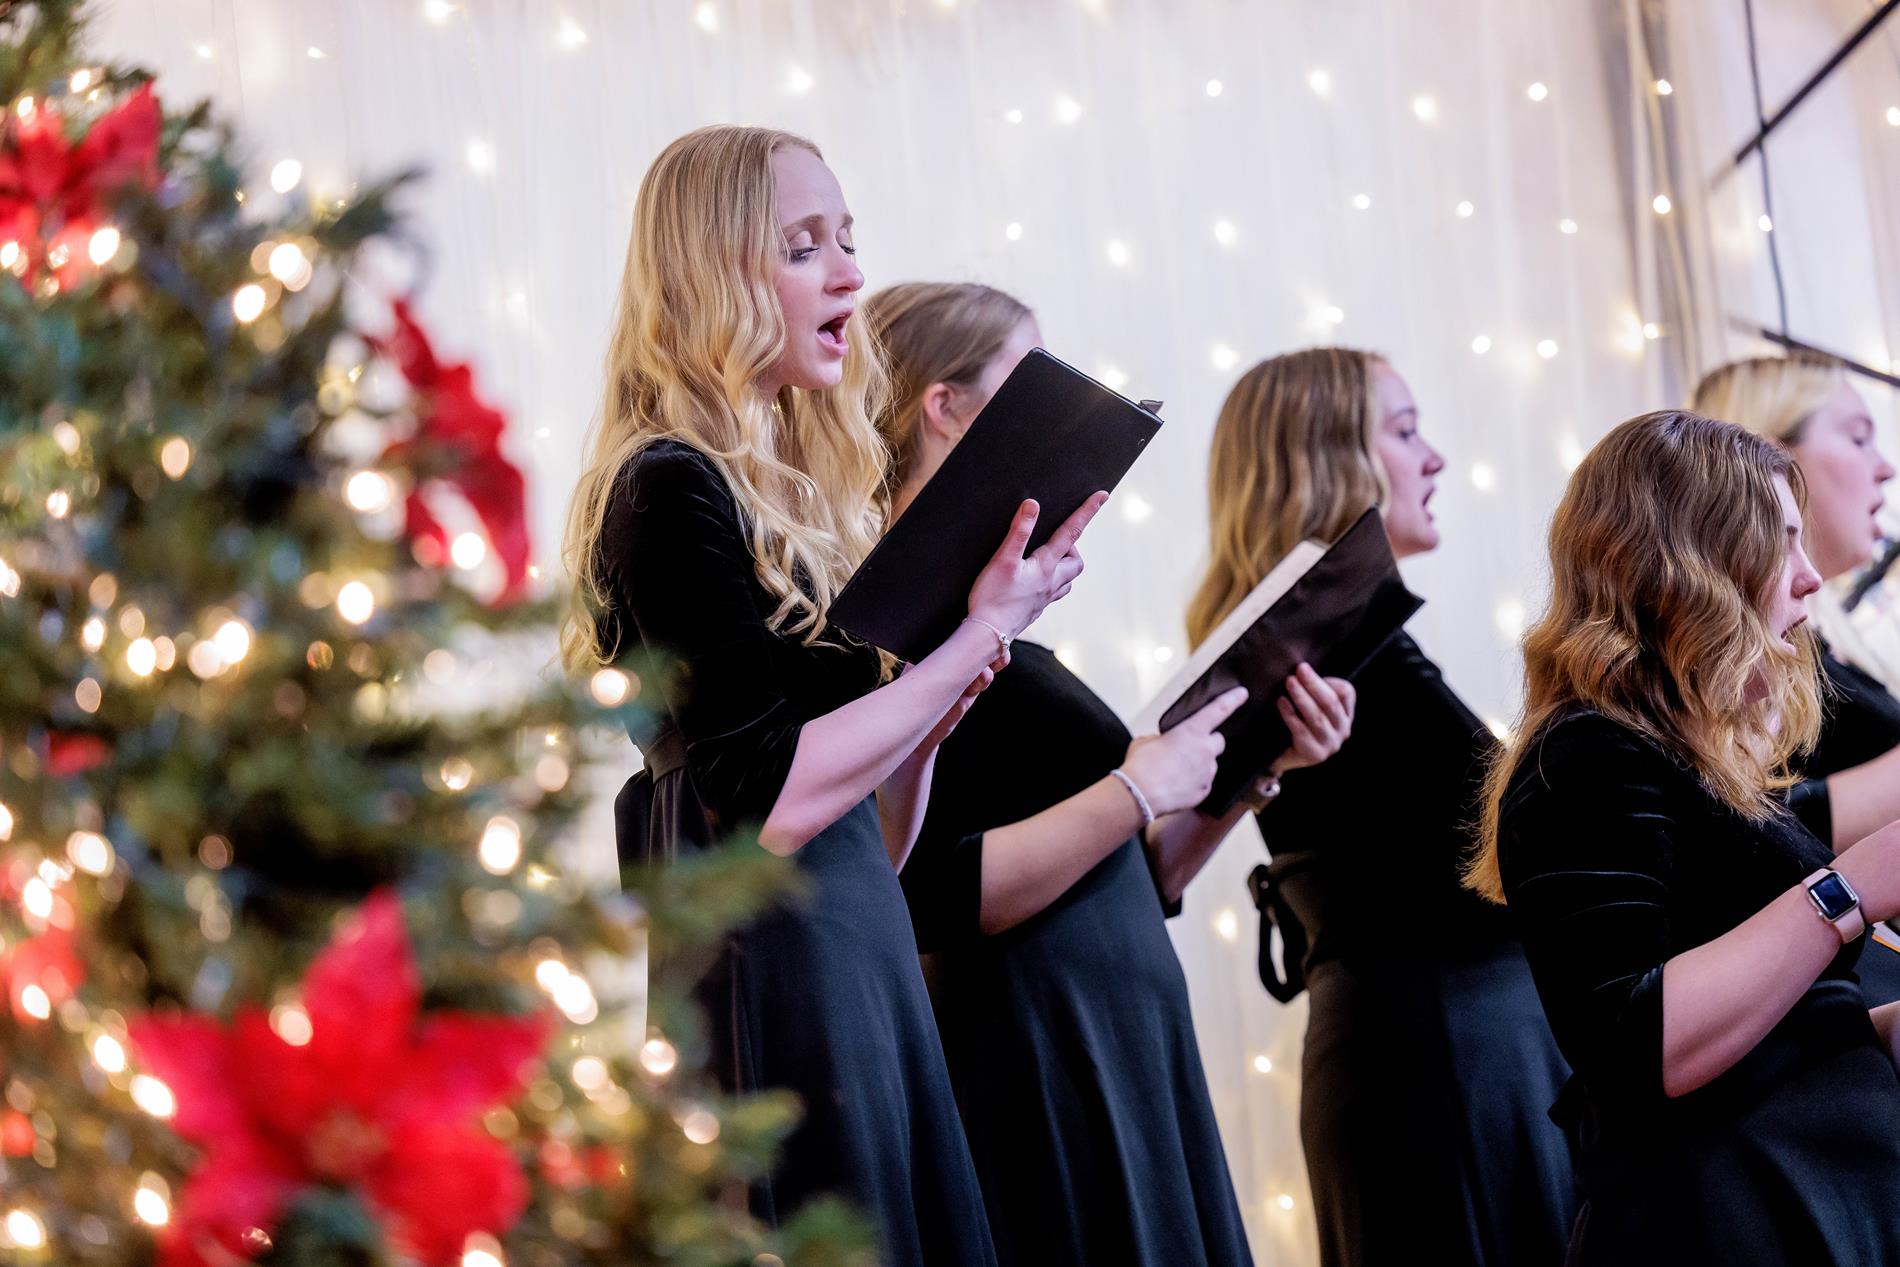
x=1178, y=187
x=1834, y=188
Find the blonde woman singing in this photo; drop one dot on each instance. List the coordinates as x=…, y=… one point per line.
x=730, y=492
x=1428, y=1069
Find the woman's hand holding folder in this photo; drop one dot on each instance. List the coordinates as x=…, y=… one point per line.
x=1014, y=588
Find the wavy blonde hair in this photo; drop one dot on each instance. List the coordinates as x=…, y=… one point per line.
x=1772, y=396
x=1293, y=457
x=933, y=332
x=1666, y=547
x=698, y=323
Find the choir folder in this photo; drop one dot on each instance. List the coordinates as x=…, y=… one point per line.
x=1052, y=433
x=1331, y=607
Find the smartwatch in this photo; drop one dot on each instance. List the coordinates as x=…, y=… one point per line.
x=1836, y=902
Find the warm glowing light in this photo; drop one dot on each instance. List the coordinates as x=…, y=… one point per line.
x=59, y=503
x=1362, y=202
x=1465, y=209
x=570, y=34
x=204, y=658
x=1320, y=81
x=247, y=305
x=174, y=457
x=291, y=1023
x=1223, y=357
x=610, y=688
x=1765, y=223
x=658, y=1057
x=369, y=491
x=706, y=14
x=153, y=1096
x=36, y=898
x=35, y=1002
x=1136, y=508
x=468, y=550
x=233, y=640
x=289, y=265
x=1013, y=231
x=457, y=774
x=150, y=1204
x=108, y=1053
x=1227, y=924
x=355, y=603
x=700, y=1126
x=1225, y=233
x=1262, y=1064
x=92, y=634
x=500, y=848
x=90, y=852
x=1484, y=476
x=285, y=175
x=1664, y=87
x=1118, y=252
x=1425, y=108
x=1547, y=348
x=1068, y=109
x=479, y=155
x=1537, y=91
x=1481, y=344
x=1566, y=225
x=103, y=245
x=1214, y=88
x=1661, y=205
x=798, y=81
x=25, y=1230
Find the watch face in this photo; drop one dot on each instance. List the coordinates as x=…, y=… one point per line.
x=1832, y=896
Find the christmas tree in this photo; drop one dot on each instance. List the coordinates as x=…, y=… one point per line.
x=294, y=972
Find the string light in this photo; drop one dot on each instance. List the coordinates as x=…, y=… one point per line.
x=204, y=52
x=103, y=245
x=1465, y=209
x=314, y=53
x=1764, y=223
x=1118, y=253
x=247, y=305
x=1137, y=509
x=1651, y=330
x=1320, y=80
x=1284, y=1201
x=500, y=848
x=35, y=1002
x=1425, y=108
x=369, y=492
x=10, y=254
x=706, y=16
x=1214, y=88
x=1013, y=231
x=1362, y=202
x=482, y=1251
x=1012, y=115
x=610, y=687
x=92, y=634
x=153, y=1096
x=174, y=457
x=576, y=1000
x=1484, y=477
x=1537, y=91
x=1509, y=615
x=798, y=81
x=1893, y=116
x=108, y=1053
x=290, y=1022
x=1069, y=656
x=150, y=1202
x=1223, y=357
x=203, y=659
x=457, y=774
x=6, y=822
x=1661, y=204
x=1227, y=924
x=1570, y=452
x=59, y=503
x=1332, y=314
x=1547, y=348
x=285, y=175
x=24, y=1229
x=1499, y=728
x=1664, y=88
x=658, y=1057
x=1068, y=109
x=1481, y=344
x=1225, y=233
x=289, y=265
x=355, y=603
x=90, y=852
x=233, y=640
x=1261, y=1064
x=468, y=550
x=479, y=156
x=550, y=773
x=700, y=1126
x=438, y=11
x=1567, y=226
x=36, y=898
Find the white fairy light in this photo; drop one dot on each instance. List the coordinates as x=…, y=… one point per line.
x=24, y=1229
x=174, y=457
x=610, y=687
x=1012, y=115
x=1225, y=233
x=1223, y=357
x=355, y=602
x=798, y=81
x=500, y=848
x=103, y=245
x=1764, y=223
x=1893, y=116
x=285, y=175
x=1481, y=344
x=658, y=1057
x=1661, y=205
x=1227, y=924
x=1067, y=108
x=1484, y=476
x=369, y=491
x=1547, y=348
x=1262, y=1064
x=1214, y=88
x=1664, y=88
x=290, y=1022
x=1510, y=617
x=706, y=16
x=247, y=304
x=479, y=155
x=1566, y=226
x=1362, y=202
x=108, y=1053
x=1117, y=252
x=1013, y=231
x=90, y=852
x=438, y=11
x=468, y=550
x=92, y=634
x=570, y=35
x=1537, y=91
x=1465, y=209
x=153, y=1096
x=1651, y=330
x=36, y=898
x=233, y=640
x=1320, y=80
x=1136, y=508
x=1425, y=108
x=1113, y=376
x=150, y=1204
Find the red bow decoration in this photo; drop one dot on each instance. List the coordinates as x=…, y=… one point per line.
x=376, y=1098
x=52, y=192
x=453, y=418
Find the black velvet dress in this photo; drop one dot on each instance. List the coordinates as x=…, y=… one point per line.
x=1429, y=1071
x=1862, y=722
x=1068, y=1035
x=824, y=997
x=1615, y=859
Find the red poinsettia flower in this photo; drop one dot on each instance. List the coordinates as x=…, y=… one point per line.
x=453, y=417
x=52, y=192
x=70, y=754
x=377, y=1099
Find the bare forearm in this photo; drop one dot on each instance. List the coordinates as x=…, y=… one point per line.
x=901, y=803
x=1722, y=998
x=1180, y=845
x=845, y=755
x=1029, y=864
x=1865, y=798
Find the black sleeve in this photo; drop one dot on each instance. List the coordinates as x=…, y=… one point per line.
x=943, y=886
x=678, y=567
x=1585, y=848
x=1814, y=806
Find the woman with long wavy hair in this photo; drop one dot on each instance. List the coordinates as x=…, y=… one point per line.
x=1735, y=1100
x=1850, y=781
x=1428, y=1068
x=730, y=493
x=1054, y=847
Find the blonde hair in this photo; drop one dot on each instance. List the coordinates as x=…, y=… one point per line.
x=1772, y=396
x=933, y=332
x=1293, y=457
x=1666, y=545
x=698, y=323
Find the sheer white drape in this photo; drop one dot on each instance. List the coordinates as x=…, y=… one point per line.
x=1179, y=188
x=1833, y=185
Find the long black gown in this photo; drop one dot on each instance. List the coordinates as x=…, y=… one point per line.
x=825, y=997
x=1429, y=1071
x=1862, y=722
x=1615, y=859
x=1069, y=1038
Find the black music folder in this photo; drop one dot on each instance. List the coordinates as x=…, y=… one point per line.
x=1332, y=607
x=1052, y=433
